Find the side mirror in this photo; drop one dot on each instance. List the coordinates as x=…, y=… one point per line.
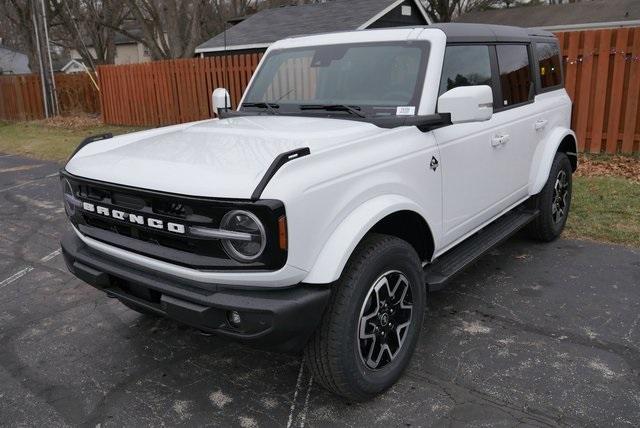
x=467, y=103
x=220, y=100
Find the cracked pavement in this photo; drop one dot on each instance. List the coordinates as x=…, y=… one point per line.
x=531, y=335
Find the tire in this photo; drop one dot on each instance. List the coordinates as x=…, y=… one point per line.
x=337, y=356
x=553, y=202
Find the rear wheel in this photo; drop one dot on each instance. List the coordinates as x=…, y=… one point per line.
x=369, y=331
x=553, y=202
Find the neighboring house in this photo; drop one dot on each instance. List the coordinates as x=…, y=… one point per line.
x=563, y=17
x=128, y=50
x=256, y=32
x=73, y=66
x=13, y=62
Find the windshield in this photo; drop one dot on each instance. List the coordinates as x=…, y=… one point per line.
x=369, y=79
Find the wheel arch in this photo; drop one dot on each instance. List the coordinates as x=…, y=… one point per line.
x=409, y=226
x=561, y=140
x=392, y=215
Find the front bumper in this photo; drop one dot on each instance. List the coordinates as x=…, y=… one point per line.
x=281, y=320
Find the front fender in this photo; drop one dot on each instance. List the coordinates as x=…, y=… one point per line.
x=338, y=248
x=543, y=158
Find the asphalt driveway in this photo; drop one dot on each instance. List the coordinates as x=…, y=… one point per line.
x=531, y=335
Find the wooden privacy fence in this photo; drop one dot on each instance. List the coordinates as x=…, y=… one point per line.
x=77, y=93
x=602, y=76
x=174, y=91
x=21, y=96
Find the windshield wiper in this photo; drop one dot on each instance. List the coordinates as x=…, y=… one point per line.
x=335, y=107
x=269, y=106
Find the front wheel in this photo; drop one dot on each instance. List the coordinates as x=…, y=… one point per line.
x=370, y=329
x=553, y=202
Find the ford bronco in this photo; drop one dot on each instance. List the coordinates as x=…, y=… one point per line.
x=359, y=172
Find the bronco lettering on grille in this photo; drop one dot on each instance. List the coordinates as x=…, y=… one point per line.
x=135, y=218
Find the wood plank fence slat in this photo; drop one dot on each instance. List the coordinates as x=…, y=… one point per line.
x=631, y=111
x=615, y=106
x=603, y=48
x=583, y=98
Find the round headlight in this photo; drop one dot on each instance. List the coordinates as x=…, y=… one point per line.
x=252, y=245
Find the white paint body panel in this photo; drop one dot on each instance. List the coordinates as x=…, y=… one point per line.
x=355, y=175
x=215, y=158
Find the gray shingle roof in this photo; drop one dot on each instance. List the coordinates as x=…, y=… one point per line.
x=271, y=25
x=585, y=12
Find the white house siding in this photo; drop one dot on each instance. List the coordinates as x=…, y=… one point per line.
x=129, y=53
x=12, y=62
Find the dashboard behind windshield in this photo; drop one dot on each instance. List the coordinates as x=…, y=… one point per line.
x=373, y=78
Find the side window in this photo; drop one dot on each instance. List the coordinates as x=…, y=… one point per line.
x=515, y=74
x=465, y=66
x=549, y=64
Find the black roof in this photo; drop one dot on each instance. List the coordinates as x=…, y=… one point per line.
x=271, y=25
x=596, y=11
x=462, y=32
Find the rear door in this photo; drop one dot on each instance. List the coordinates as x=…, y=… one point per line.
x=552, y=104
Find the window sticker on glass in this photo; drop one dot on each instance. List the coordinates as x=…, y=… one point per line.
x=406, y=111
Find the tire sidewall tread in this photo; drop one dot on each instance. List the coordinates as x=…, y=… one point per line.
x=543, y=228
x=329, y=354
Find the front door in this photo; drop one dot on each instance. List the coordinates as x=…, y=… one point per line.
x=485, y=165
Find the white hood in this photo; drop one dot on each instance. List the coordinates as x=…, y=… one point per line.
x=215, y=158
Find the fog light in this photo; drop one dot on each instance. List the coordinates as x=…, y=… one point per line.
x=234, y=318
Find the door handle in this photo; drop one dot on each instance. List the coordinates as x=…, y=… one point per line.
x=540, y=124
x=500, y=140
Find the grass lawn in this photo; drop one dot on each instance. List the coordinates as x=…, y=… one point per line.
x=605, y=209
x=53, y=139
x=606, y=192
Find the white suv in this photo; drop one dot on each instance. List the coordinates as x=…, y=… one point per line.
x=360, y=171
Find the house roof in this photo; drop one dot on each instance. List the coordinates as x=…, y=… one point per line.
x=72, y=62
x=597, y=13
x=270, y=25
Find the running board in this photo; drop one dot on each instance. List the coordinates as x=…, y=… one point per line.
x=455, y=260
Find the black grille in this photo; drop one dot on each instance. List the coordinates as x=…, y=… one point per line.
x=184, y=210
x=173, y=209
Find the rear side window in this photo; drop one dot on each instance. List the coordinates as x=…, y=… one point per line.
x=549, y=64
x=515, y=74
x=465, y=66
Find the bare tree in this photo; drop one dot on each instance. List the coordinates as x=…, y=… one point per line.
x=16, y=28
x=169, y=28
x=88, y=26
x=447, y=10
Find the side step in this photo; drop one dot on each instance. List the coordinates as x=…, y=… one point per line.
x=455, y=260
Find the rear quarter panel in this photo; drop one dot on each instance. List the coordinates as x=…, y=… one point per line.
x=556, y=107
